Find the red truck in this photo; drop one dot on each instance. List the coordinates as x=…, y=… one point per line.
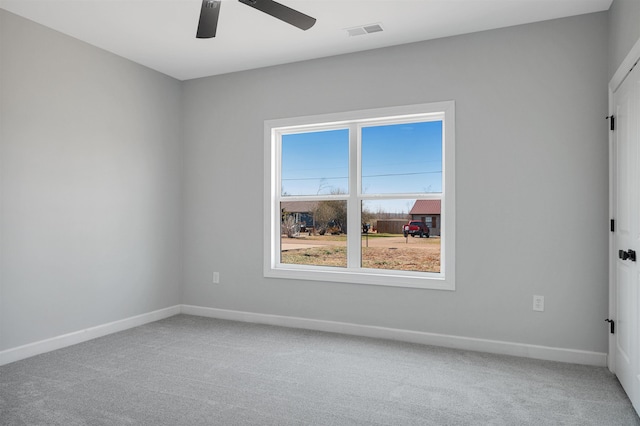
x=416, y=227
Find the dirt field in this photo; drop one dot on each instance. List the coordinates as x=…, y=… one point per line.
x=383, y=252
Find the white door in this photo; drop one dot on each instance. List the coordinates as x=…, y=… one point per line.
x=626, y=102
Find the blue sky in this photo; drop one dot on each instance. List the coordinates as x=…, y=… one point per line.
x=398, y=158
x=315, y=163
x=402, y=158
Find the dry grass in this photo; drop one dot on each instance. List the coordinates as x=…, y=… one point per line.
x=401, y=259
x=421, y=255
x=320, y=256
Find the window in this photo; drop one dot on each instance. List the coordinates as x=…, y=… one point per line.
x=342, y=191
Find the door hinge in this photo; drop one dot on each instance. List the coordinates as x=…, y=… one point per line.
x=612, y=122
x=612, y=325
x=629, y=254
x=613, y=225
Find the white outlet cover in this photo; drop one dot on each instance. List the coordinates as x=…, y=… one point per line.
x=538, y=303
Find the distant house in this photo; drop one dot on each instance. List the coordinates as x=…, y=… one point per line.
x=427, y=211
x=302, y=211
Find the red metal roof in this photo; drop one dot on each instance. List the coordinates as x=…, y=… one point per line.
x=426, y=207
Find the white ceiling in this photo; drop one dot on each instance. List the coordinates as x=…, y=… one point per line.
x=160, y=34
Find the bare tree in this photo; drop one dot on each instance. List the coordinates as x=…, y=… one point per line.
x=289, y=226
x=331, y=215
x=367, y=216
x=323, y=214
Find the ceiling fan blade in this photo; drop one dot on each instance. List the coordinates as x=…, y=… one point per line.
x=282, y=12
x=208, y=19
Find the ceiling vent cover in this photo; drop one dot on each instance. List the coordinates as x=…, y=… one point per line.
x=364, y=29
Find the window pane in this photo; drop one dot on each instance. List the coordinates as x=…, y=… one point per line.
x=313, y=233
x=315, y=163
x=403, y=235
x=402, y=158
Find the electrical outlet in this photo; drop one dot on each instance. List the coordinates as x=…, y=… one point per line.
x=216, y=277
x=538, y=303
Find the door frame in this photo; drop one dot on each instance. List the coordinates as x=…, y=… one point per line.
x=624, y=69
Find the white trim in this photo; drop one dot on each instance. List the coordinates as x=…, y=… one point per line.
x=456, y=342
x=443, y=280
x=625, y=67
x=612, y=260
x=621, y=73
x=58, y=342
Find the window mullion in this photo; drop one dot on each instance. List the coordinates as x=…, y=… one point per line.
x=276, y=194
x=353, y=204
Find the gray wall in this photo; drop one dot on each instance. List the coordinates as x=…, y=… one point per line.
x=90, y=181
x=92, y=185
x=531, y=158
x=624, y=31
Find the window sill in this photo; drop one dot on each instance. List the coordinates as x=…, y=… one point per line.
x=427, y=281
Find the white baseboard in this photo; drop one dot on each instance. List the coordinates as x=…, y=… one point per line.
x=456, y=342
x=58, y=342
x=466, y=343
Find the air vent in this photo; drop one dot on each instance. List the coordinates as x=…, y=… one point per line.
x=364, y=29
x=375, y=28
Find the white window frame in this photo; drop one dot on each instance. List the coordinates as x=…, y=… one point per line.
x=273, y=129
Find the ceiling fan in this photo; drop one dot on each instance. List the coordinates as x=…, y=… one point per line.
x=211, y=9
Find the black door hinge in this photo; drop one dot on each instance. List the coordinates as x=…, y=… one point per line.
x=612, y=122
x=629, y=254
x=612, y=325
x=613, y=225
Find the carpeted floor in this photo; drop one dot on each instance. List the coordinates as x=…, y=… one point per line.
x=188, y=370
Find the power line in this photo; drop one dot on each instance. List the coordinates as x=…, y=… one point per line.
x=404, y=174
x=366, y=176
x=368, y=165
